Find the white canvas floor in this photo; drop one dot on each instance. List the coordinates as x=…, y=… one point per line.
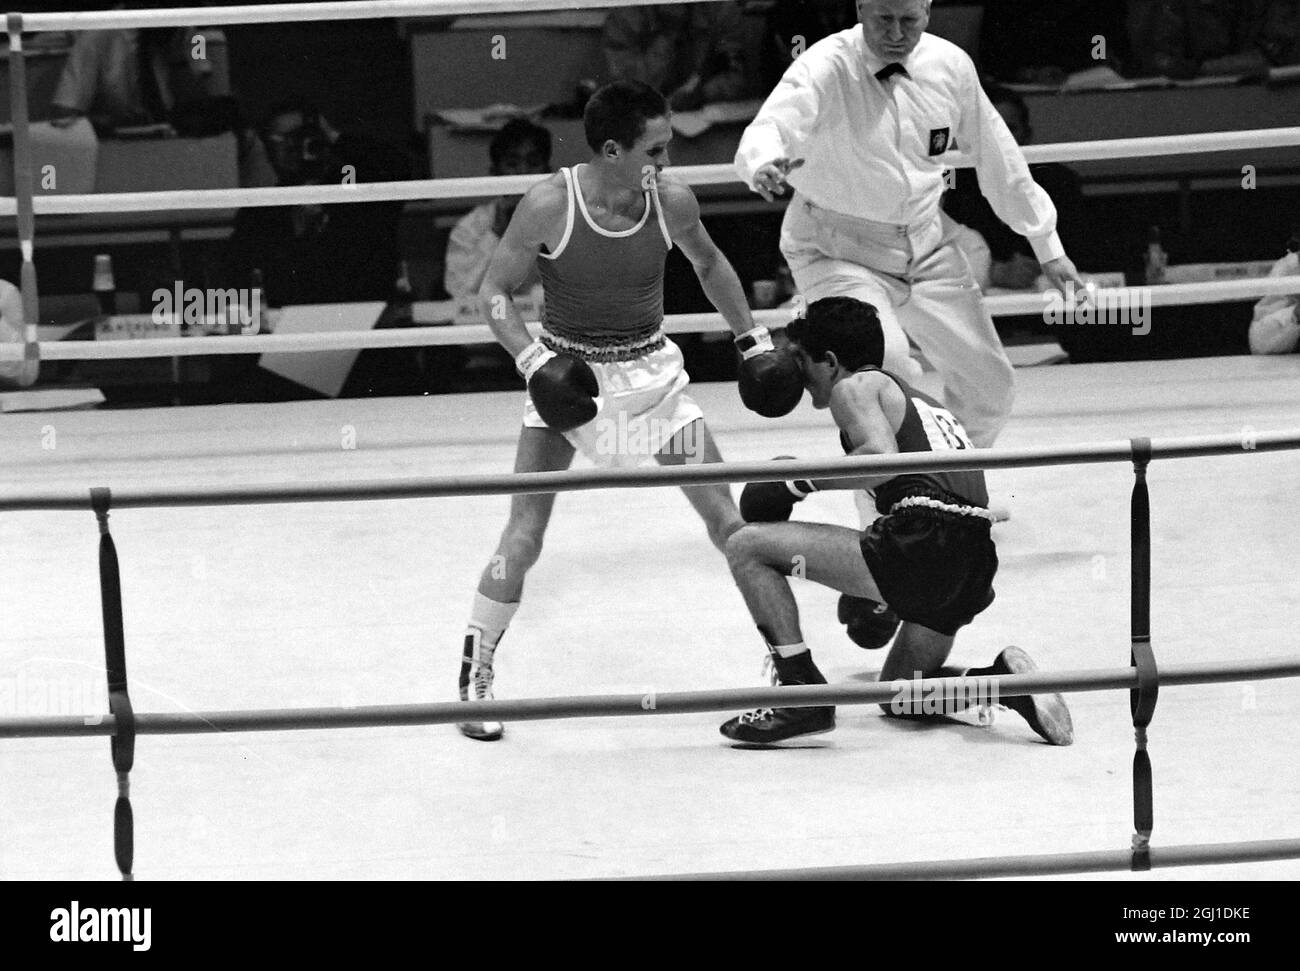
x=364, y=603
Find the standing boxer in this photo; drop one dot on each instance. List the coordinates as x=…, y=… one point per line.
x=858, y=126
x=603, y=377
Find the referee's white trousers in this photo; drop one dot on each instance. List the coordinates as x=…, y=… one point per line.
x=922, y=287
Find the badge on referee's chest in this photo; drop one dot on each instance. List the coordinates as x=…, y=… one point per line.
x=938, y=140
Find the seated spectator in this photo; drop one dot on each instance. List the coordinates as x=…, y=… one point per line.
x=124, y=78
x=1029, y=41
x=1279, y=32
x=1275, y=327
x=1010, y=258
x=691, y=53
x=315, y=253
x=14, y=374
x=1185, y=38
x=795, y=25
x=340, y=253
x=520, y=148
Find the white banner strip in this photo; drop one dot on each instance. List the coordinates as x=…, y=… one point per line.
x=284, y=13
x=488, y=186
x=1010, y=305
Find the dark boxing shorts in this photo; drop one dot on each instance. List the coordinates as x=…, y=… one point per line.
x=933, y=567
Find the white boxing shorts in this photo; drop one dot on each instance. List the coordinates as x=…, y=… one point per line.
x=642, y=404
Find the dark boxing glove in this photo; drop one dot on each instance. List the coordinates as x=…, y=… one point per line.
x=563, y=388
x=773, y=502
x=870, y=624
x=771, y=381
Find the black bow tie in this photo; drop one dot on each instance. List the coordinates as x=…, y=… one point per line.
x=889, y=70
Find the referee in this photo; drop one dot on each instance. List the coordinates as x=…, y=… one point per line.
x=858, y=127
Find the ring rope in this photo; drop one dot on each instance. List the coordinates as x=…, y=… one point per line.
x=489, y=186
x=1003, y=305
x=622, y=705
x=524, y=483
x=992, y=867
x=283, y=13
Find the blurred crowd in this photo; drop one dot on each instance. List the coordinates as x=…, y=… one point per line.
x=125, y=81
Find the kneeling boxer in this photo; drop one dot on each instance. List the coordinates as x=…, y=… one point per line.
x=929, y=556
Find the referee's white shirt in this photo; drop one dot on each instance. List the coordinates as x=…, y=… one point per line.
x=874, y=150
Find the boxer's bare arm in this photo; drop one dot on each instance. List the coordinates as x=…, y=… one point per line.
x=868, y=408
x=538, y=221
x=716, y=274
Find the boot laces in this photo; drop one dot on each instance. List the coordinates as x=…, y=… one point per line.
x=483, y=682
x=481, y=673
x=772, y=678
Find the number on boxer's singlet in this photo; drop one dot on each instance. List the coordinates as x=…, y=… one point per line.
x=941, y=429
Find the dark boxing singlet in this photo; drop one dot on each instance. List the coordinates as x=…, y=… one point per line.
x=927, y=427
x=604, y=290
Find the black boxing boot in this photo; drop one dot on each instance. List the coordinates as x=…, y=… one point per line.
x=767, y=726
x=1046, y=714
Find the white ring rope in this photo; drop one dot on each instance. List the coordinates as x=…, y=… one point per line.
x=283, y=13
x=1009, y=305
x=487, y=186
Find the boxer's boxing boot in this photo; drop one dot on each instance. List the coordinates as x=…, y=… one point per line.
x=766, y=726
x=476, y=685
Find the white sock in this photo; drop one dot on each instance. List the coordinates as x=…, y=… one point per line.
x=790, y=650
x=491, y=617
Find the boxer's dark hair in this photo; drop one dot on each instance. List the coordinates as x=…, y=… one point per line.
x=620, y=111
x=848, y=328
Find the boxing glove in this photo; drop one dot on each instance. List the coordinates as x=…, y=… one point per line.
x=869, y=624
x=771, y=381
x=563, y=388
x=773, y=502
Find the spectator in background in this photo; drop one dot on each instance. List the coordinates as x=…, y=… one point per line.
x=691, y=53
x=317, y=253
x=124, y=78
x=1275, y=327
x=1008, y=257
x=793, y=26
x=1030, y=41
x=14, y=374
x=1279, y=32
x=340, y=253
x=1185, y=38
x=520, y=148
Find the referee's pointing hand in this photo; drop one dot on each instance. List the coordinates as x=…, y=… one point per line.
x=769, y=180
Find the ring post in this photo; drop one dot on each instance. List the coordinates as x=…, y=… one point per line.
x=1142, y=699
x=122, y=744
x=26, y=223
